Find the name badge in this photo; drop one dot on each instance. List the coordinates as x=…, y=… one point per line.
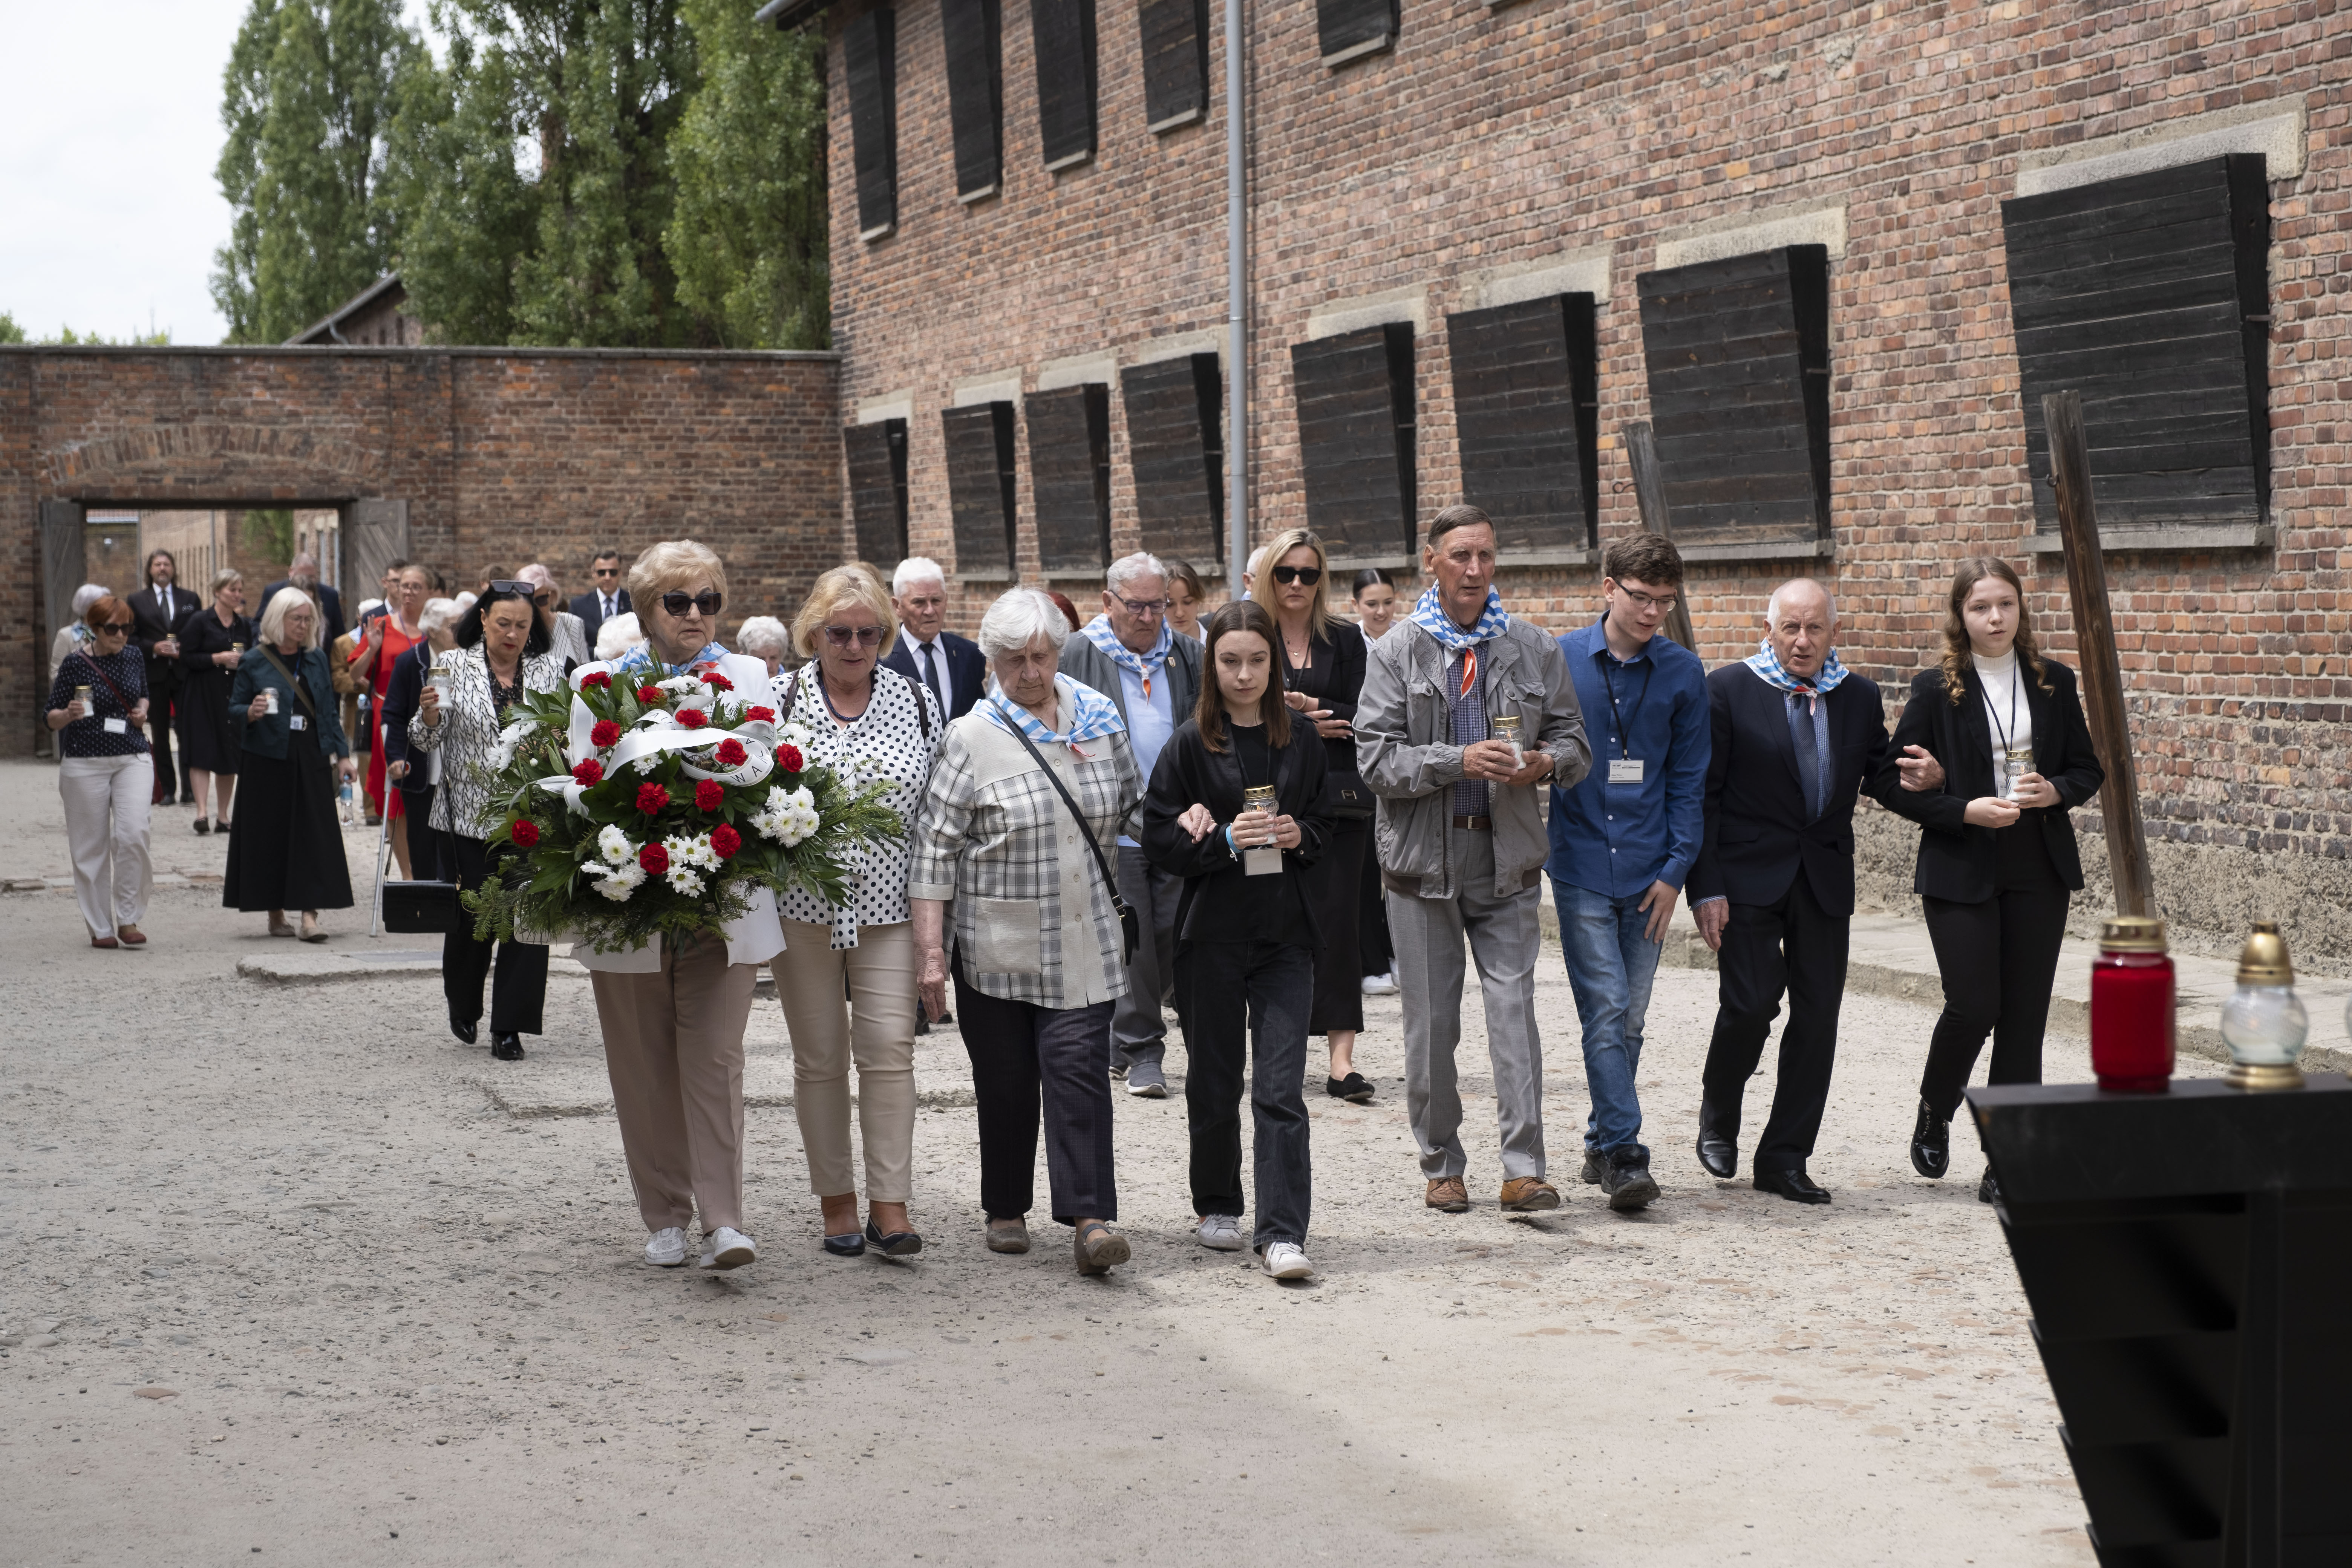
x=1625, y=771
x=298, y=723
x=116, y=727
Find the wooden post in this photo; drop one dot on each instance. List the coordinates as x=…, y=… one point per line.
x=1650, y=495
x=2095, y=641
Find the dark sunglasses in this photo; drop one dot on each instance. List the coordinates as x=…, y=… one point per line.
x=867, y=636
x=508, y=586
x=678, y=604
x=608, y=572
x=1310, y=576
x=120, y=629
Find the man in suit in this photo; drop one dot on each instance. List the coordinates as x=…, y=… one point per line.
x=1796, y=735
x=158, y=612
x=949, y=665
x=609, y=599
x=304, y=575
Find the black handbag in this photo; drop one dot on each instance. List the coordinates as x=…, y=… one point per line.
x=1345, y=792
x=421, y=907
x=1131, y=927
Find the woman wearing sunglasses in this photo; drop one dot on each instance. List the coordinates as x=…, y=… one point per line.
x=105, y=774
x=847, y=975
x=1322, y=676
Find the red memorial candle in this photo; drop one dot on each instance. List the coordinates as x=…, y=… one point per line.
x=2132, y=1007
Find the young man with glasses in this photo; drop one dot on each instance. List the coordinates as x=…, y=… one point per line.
x=926, y=653
x=1624, y=835
x=609, y=599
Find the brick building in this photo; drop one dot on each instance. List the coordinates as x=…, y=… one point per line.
x=1835, y=254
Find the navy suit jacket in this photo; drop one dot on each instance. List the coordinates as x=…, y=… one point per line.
x=330, y=604
x=403, y=692
x=590, y=608
x=967, y=671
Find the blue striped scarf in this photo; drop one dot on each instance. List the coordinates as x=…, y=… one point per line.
x=1767, y=666
x=1091, y=714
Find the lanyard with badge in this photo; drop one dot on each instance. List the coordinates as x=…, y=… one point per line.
x=1625, y=768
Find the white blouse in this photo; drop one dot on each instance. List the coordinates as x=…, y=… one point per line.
x=889, y=740
x=2009, y=715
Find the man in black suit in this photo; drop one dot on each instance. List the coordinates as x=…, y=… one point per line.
x=609, y=599
x=1796, y=737
x=949, y=665
x=158, y=611
x=304, y=575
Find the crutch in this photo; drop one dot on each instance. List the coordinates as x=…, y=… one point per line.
x=383, y=849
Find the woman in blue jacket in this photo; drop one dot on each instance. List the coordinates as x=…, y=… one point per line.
x=285, y=850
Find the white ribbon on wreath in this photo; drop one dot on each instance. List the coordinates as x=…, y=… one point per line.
x=658, y=731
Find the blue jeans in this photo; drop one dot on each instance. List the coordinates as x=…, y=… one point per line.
x=1610, y=964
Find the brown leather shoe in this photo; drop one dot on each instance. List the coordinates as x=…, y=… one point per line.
x=1446, y=1195
x=1095, y=1248
x=1528, y=1195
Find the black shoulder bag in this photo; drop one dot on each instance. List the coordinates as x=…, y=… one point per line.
x=1131, y=927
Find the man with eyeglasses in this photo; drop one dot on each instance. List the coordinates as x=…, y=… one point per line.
x=1131, y=655
x=928, y=654
x=1624, y=835
x=609, y=599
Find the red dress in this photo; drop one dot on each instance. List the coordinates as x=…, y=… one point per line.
x=396, y=643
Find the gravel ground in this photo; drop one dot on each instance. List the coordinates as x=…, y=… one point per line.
x=279, y=1279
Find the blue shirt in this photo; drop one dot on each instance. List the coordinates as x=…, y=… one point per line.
x=1151, y=721
x=1617, y=840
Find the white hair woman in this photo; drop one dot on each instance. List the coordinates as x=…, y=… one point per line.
x=287, y=851
x=211, y=645
x=1029, y=788
x=763, y=637
x=567, y=634
x=76, y=633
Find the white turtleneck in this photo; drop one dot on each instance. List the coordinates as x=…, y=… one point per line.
x=2007, y=713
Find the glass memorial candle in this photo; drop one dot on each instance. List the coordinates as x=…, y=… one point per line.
x=2132, y=1007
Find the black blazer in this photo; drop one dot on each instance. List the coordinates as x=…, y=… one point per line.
x=1757, y=837
x=1956, y=859
x=1345, y=652
x=590, y=608
x=403, y=692
x=151, y=626
x=331, y=607
x=967, y=672
x=1215, y=886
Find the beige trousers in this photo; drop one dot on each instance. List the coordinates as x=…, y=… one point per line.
x=106, y=804
x=674, y=1046
x=875, y=1027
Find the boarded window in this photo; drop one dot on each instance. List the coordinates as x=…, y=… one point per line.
x=1175, y=61
x=1175, y=455
x=1350, y=30
x=869, y=59
x=1526, y=415
x=1069, y=475
x=1739, y=361
x=1064, y=32
x=979, y=487
x=975, y=38
x=1354, y=393
x=2148, y=295
x=877, y=489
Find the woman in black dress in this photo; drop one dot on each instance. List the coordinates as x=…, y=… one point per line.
x=286, y=852
x=1322, y=676
x=211, y=645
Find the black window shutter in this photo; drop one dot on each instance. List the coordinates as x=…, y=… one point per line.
x=1069, y=475
x=1064, y=32
x=975, y=38
x=877, y=489
x=1525, y=415
x=1175, y=455
x=1738, y=352
x=2149, y=296
x=1175, y=61
x=1355, y=401
x=869, y=58
x=980, y=486
x=1350, y=30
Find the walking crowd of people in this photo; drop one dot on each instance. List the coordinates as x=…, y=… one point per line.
x=1250, y=815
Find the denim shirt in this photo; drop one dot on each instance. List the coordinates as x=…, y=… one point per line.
x=1617, y=840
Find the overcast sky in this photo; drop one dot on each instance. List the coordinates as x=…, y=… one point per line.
x=110, y=127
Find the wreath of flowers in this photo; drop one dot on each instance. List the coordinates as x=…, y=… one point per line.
x=639, y=809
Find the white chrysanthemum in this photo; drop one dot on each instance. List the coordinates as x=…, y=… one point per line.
x=503, y=756
x=618, y=884
x=684, y=879
x=615, y=846
x=648, y=763
x=794, y=733
x=679, y=685
x=692, y=850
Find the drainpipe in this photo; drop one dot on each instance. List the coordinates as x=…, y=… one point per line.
x=1236, y=305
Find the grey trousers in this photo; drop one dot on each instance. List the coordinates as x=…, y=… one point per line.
x=1139, y=1026
x=1504, y=941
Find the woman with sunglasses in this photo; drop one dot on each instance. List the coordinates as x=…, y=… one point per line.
x=1322, y=676
x=847, y=975
x=211, y=645
x=106, y=775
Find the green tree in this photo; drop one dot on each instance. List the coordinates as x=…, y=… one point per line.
x=463, y=208
x=10, y=332
x=747, y=239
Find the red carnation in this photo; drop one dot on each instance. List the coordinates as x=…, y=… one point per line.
x=732, y=753
x=760, y=715
x=692, y=719
x=604, y=733
x=589, y=775
x=652, y=799
x=598, y=679
x=524, y=833
x=709, y=794
x=716, y=681
x=725, y=841
x=788, y=758
x=649, y=695
x=653, y=858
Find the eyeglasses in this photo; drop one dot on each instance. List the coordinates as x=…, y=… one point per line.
x=1661, y=603
x=1144, y=607
x=865, y=636
x=607, y=572
x=1308, y=575
x=677, y=603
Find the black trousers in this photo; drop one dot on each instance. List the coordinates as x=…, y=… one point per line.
x=1333, y=891
x=1022, y=1055
x=1791, y=946
x=169, y=780
x=1998, y=959
x=1373, y=914
x=520, y=993
x=430, y=859
x=1240, y=1000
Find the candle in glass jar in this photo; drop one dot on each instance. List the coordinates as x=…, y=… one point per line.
x=1257, y=858
x=1505, y=729
x=2132, y=1007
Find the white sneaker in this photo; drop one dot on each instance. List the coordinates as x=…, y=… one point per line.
x=729, y=1249
x=1220, y=1233
x=1380, y=984
x=668, y=1248
x=1286, y=1260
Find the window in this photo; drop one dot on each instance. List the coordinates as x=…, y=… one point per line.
x=877, y=489
x=1175, y=62
x=1350, y=30
x=869, y=59
x=1739, y=361
x=1354, y=394
x=975, y=50
x=1527, y=417
x=980, y=487
x=1175, y=455
x=2149, y=296
x=1070, y=476
x=1064, y=32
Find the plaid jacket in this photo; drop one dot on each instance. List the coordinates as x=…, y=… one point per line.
x=1033, y=920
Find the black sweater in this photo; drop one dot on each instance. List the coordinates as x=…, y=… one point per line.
x=1220, y=901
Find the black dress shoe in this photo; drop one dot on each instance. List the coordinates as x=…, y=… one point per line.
x=1988, y=1190
x=506, y=1046
x=463, y=1029
x=1717, y=1152
x=1791, y=1183
x=1931, y=1142
x=850, y=1246
x=1355, y=1089
x=897, y=1244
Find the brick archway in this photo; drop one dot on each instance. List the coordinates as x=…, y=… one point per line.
x=257, y=463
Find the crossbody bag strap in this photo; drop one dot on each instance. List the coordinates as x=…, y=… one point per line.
x=301, y=693
x=125, y=701
x=922, y=709
x=1101, y=864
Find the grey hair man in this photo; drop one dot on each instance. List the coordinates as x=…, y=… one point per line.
x=302, y=572
x=926, y=651
x=1131, y=655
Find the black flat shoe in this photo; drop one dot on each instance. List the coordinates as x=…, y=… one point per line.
x=1931, y=1142
x=850, y=1246
x=219, y=826
x=1988, y=1190
x=1717, y=1154
x=897, y=1244
x=463, y=1029
x=1355, y=1089
x=1791, y=1183
x=203, y=826
x=507, y=1045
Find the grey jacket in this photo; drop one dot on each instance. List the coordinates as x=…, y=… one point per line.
x=1403, y=753
x=1089, y=666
